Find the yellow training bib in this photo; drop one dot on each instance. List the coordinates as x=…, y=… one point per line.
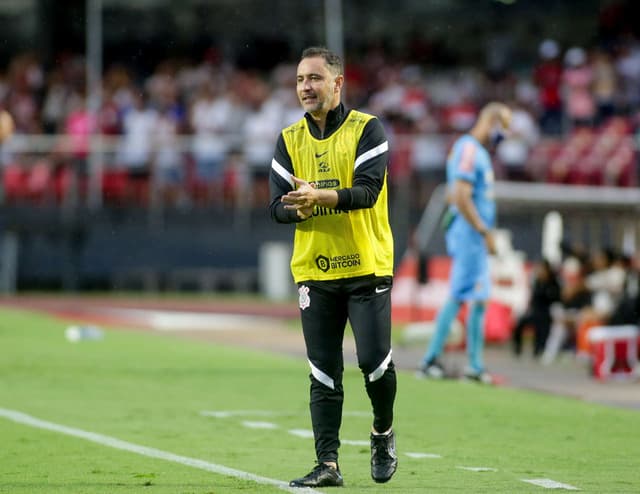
x=335, y=244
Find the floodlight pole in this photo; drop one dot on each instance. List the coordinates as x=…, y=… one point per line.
x=333, y=29
x=333, y=26
x=94, y=99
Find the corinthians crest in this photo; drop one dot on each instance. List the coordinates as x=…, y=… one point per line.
x=304, y=300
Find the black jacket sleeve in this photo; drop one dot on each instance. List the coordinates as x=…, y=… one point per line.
x=280, y=184
x=369, y=176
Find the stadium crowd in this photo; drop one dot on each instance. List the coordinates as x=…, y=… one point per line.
x=201, y=133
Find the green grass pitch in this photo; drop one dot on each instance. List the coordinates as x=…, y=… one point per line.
x=151, y=389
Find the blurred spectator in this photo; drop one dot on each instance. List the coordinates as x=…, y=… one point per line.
x=260, y=130
x=118, y=83
x=22, y=104
x=544, y=293
x=237, y=182
x=168, y=169
x=548, y=78
x=513, y=151
x=26, y=78
x=283, y=95
x=605, y=84
x=606, y=281
x=161, y=86
x=607, y=276
x=116, y=98
x=79, y=125
x=414, y=102
x=459, y=115
x=627, y=310
x=55, y=102
x=628, y=68
x=209, y=144
x=387, y=99
x=427, y=159
x=136, y=146
x=565, y=314
x=577, y=80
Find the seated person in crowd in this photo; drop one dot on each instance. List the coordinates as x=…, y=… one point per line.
x=566, y=314
x=606, y=281
x=627, y=310
x=545, y=292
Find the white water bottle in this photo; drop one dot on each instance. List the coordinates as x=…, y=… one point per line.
x=81, y=333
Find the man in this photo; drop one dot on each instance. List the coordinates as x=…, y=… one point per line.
x=329, y=176
x=469, y=220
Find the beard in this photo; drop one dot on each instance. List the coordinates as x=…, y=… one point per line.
x=312, y=103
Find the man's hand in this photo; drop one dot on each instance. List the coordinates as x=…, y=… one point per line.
x=307, y=196
x=303, y=199
x=490, y=242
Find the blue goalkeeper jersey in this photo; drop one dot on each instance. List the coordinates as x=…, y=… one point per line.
x=468, y=160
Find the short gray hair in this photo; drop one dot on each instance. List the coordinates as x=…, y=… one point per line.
x=332, y=60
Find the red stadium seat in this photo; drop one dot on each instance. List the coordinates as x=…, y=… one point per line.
x=115, y=186
x=40, y=182
x=14, y=180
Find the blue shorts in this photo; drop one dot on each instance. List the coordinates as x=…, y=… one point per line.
x=469, y=278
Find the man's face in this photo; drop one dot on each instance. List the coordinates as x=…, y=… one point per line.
x=317, y=87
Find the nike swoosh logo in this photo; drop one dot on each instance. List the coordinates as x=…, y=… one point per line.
x=382, y=289
x=320, y=155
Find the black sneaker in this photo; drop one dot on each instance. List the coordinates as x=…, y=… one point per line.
x=431, y=370
x=384, y=460
x=322, y=475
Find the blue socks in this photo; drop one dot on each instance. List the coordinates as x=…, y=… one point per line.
x=475, y=335
x=443, y=325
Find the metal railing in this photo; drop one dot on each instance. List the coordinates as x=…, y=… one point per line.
x=592, y=215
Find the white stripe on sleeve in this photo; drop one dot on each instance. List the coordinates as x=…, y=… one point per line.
x=372, y=153
x=280, y=170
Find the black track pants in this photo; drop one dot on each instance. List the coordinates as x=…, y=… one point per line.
x=325, y=307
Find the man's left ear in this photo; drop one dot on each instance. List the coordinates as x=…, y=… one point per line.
x=339, y=83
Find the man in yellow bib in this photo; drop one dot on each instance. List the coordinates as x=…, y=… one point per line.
x=329, y=176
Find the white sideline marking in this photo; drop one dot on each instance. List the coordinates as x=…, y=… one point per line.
x=423, y=455
x=550, y=484
x=356, y=442
x=223, y=414
x=113, y=442
x=259, y=425
x=478, y=469
x=301, y=433
x=164, y=320
x=304, y=433
x=308, y=434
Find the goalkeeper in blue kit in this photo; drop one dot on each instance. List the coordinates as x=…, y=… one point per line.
x=469, y=239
